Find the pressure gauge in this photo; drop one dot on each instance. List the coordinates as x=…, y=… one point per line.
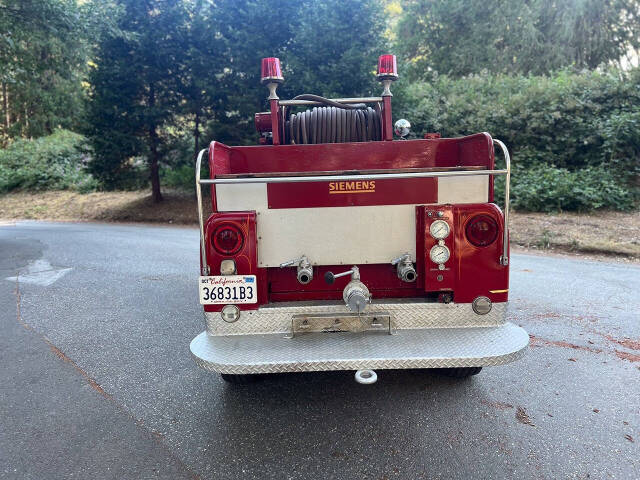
x=439, y=254
x=439, y=229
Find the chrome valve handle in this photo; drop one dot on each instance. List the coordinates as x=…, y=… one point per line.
x=330, y=277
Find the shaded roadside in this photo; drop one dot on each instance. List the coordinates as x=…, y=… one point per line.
x=613, y=234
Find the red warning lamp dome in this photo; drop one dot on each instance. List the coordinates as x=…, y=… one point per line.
x=271, y=71
x=387, y=67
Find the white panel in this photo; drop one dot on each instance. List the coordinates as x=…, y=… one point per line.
x=336, y=235
x=473, y=189
x=339, y=235
x=243, y=197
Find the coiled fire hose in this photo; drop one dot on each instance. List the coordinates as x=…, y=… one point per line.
x=335, y=123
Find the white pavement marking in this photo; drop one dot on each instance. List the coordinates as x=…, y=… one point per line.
x=41, y=272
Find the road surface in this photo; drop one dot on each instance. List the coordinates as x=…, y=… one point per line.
x=97, y=380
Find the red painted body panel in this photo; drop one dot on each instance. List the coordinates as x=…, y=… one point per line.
x=474, y=150
x=478, y=268
x=471, y=271
x=346, y=194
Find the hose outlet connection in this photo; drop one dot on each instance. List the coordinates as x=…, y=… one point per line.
x=356, y=295
x=305, y=269
x=404, y=268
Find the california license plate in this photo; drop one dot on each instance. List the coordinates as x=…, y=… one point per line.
x=228, y=289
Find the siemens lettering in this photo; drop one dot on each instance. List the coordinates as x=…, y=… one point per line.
x=352, y=187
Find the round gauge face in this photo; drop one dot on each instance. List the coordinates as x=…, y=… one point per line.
x=439, y=254
x=439, y=229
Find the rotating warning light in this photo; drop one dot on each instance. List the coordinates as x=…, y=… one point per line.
x=271, y=71
x=387, y=67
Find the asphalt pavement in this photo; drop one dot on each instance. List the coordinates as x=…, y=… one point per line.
x=97, y=380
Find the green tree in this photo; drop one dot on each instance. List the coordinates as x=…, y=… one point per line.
x=135, y=94
x=328, y=48
x=44, y=49
x=458, y=37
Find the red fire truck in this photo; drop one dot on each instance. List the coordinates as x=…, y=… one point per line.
x=332, y=246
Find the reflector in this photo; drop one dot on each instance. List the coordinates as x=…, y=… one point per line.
x=271, y=71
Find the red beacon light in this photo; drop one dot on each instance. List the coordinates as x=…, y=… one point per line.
x=271, y=71
x=387, y=67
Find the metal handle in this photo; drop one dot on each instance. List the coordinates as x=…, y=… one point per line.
x=340, y=178
x=405, y=256
x=203, y=251
x=291, y=103
x=295, y=261
x=504, y=259
x=330, y=277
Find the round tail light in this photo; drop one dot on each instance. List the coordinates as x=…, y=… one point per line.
x=227, y=239
x=482, y=230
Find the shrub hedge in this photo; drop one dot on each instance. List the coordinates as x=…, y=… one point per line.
x=574, y=136
x=54, y=162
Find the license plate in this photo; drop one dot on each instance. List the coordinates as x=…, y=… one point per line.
x=228, y=289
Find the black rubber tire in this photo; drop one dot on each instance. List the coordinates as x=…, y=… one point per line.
x=462, y=372
x=239, y=379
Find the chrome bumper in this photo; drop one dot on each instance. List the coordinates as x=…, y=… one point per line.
x=427, y=335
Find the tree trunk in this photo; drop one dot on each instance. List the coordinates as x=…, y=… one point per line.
x=5, y=106
x=155, y=156
x=196, y=133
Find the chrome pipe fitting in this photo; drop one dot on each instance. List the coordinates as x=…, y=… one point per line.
x=305, y=269
x=405, y=269
x=356, y=295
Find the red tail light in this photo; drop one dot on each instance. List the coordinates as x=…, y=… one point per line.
x=482, y=230
x=227, y=239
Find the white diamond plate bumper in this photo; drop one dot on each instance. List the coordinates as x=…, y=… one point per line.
x=410, y=348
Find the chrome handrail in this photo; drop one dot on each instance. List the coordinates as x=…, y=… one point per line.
x=504, y=259
x=355, y=176
x=203, y=251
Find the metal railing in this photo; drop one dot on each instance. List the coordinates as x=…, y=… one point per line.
x=504, y=258
x=291, y=103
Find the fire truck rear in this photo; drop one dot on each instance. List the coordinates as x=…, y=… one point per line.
x=332, y=246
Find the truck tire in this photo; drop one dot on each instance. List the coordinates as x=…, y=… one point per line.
x=239, y=379
x=462, y=372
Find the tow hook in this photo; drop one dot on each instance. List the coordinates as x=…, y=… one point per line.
x=366, y=377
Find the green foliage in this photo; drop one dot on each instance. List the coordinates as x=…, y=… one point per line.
x=544, y=188
x=44, y=50
x=460, y=37
x=568, y=127
x=135, y=92
x=54, y=162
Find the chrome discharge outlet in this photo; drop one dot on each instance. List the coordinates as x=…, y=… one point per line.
x=404, y=267
x=366, y=377
x=305, y=269
x=356, y=295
